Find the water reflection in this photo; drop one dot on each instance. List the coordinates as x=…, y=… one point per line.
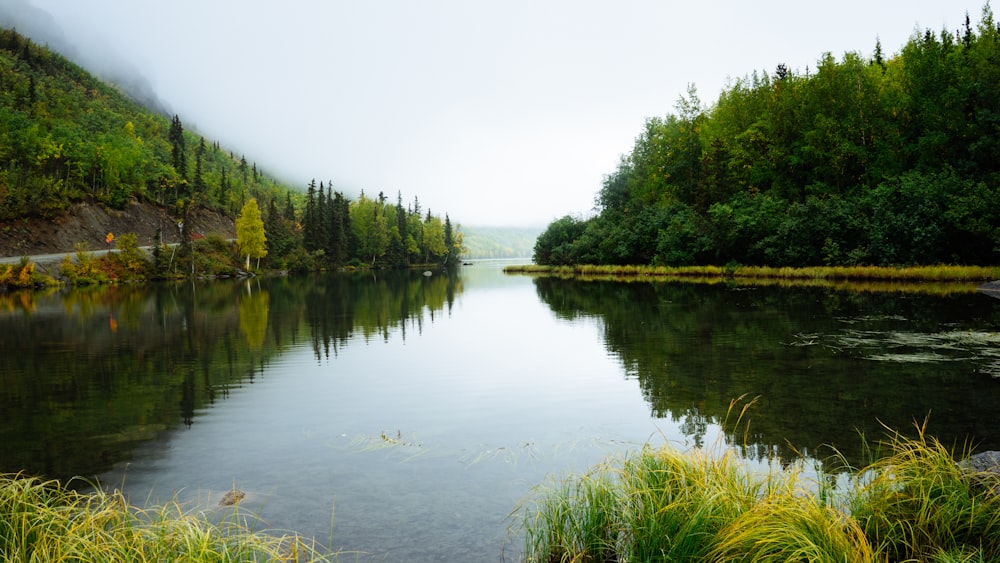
x=693, y=349
x=86, y=375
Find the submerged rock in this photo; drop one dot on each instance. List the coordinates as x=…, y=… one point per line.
x=232, y=497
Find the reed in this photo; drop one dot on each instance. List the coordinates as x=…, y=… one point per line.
x=45, y=521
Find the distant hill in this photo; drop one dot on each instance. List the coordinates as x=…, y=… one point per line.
x=499, y=242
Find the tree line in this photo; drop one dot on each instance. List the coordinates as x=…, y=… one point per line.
x=878, y=160
x=335, y=231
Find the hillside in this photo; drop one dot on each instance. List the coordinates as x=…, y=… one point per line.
x=78, y=159
x=75, y=152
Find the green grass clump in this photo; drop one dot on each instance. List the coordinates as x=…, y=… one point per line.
x=916, y=504
x=45, y=521
x=919, y=504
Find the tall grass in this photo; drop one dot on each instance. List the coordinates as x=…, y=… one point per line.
x=827, y=274
x=919, y=504
x=45, y=521
x=916, y=504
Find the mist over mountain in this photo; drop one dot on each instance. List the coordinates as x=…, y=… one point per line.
x=95, y=55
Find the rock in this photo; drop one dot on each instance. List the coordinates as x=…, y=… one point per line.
x=232, y=497
x=985, y=469
x=990, y=288
x=984, y=462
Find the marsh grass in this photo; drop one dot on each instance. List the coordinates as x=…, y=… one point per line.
x=45, y=521
x=939, y=279
x=912, y=503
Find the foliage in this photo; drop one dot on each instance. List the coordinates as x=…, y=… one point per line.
x=864, y=161
x=23, y=276
x=85, y=271
x=338, y=232
x=916, y=504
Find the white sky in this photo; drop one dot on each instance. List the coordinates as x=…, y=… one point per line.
x=498, y=113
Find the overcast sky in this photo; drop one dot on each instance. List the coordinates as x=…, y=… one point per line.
x=499, y=113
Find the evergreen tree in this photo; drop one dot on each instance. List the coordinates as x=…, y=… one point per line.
x=309, y=220
x=322, y=220
x=449, y=238
x=338, y=234
x=176, y=137
x=199, y=180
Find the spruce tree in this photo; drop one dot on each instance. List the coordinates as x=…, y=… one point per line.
x=309, y=220
x=176, y=137
x=449, y=239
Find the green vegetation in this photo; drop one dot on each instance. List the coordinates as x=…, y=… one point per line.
x=915, y=504
x=45, y=521
x=67, y=137
x=885, y=161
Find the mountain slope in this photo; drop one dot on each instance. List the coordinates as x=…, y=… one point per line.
x=67, y=137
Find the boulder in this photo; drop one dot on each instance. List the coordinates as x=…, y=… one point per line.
x=990, y=288
x=985, y=469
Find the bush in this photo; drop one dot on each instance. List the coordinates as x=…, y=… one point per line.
x=23, y=276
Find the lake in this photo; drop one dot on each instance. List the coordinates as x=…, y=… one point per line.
x=405, y=417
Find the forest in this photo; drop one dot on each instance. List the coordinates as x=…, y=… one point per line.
x=66, y=137
x=880, y=160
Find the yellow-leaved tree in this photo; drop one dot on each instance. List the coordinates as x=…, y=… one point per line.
x=250, y=233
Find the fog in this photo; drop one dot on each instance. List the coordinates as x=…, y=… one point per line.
x=506, y=113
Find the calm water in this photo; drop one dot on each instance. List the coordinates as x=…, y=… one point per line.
x=405, y=417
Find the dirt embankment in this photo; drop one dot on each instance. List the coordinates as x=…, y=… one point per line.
x=90, y=223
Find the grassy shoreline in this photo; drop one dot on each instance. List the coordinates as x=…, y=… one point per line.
x=941, y=279
x=916, y=504
x=941, y=272
x=48, y=521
